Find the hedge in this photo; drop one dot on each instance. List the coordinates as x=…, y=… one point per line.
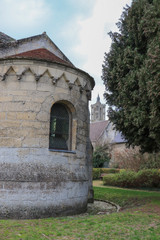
x=98, y=171
x=109, y=170
x=147, y=178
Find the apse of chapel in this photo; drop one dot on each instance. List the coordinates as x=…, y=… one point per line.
x=72, y=78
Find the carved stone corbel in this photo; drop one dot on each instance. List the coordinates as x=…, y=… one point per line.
x=81, y=89
x=54, y=80
x=88, y=94
x=19, y=77
x=70, y=85
x=37, y=77
x=4, y=77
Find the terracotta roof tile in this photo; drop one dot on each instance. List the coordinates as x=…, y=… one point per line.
x=42, y=54
x=96, y=129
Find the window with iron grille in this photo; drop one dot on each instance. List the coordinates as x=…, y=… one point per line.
x=59, y=127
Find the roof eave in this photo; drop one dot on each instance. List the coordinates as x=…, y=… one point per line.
x=43, y=35
x=55, y=62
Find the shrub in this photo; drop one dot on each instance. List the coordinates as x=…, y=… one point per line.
x=109, y=170
x=122, y=170
x=110, y=180
x=132, y=159
x=152, y=161
x=100, y=156
x=96, y=173
x=127, y=179
x=147, y=178
x=123, y=179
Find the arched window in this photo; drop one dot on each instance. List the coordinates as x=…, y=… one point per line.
x=60, y=121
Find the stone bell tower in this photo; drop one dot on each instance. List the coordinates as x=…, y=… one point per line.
x=98, y=111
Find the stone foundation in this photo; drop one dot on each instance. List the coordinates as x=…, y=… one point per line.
x=41, y=183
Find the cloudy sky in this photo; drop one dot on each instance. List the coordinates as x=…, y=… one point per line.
x=78, y=27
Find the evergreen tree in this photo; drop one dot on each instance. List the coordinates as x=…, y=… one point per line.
x=131, y=74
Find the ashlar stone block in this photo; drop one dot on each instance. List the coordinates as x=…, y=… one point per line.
x=26, y=115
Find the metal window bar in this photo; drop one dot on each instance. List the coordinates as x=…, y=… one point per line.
x=59, y=127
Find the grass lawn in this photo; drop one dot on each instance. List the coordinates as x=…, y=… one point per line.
x=139, y=219
x=126, y=198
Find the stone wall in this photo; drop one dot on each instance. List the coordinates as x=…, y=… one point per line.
x=9, y=48
x=35, y=181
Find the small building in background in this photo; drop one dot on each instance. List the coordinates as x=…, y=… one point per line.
x=102, y=131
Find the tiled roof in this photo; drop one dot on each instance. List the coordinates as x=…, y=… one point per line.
x=118, y=138
x=96, y=129
x=39, y=47
x=42, y=54
x=5, y=38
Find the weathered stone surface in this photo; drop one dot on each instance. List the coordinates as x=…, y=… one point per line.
x=34, y=181
x=39, y=210
x=10, y=142
x=2, y=115
x=11, y=115
x=43, y=116
x=26, y=115
x=32, y=124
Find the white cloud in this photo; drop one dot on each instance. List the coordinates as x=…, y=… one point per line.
x=22, y=14
x=83, y=35
x=93, y=39
x=99, y=89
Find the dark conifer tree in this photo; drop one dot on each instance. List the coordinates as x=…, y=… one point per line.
x=131, y=74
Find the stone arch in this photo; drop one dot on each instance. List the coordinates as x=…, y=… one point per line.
x=44, y=114
x=46, y=72
x=73, y=117
x=60, y=127
x=61, y=97
x=9, y=70
x=69, y=105
x=64, y=76
x=62, y=80
x=23, y=73
x=77, y=82
x=72, y=124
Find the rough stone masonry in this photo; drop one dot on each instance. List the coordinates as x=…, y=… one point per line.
x=36, y=180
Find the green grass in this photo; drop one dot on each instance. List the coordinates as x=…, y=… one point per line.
x=127, y=198
x=115, y=226
x=129, y=225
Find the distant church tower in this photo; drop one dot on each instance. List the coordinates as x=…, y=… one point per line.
x=98, y=111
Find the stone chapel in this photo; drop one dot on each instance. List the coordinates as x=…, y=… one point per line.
x=45, y=150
